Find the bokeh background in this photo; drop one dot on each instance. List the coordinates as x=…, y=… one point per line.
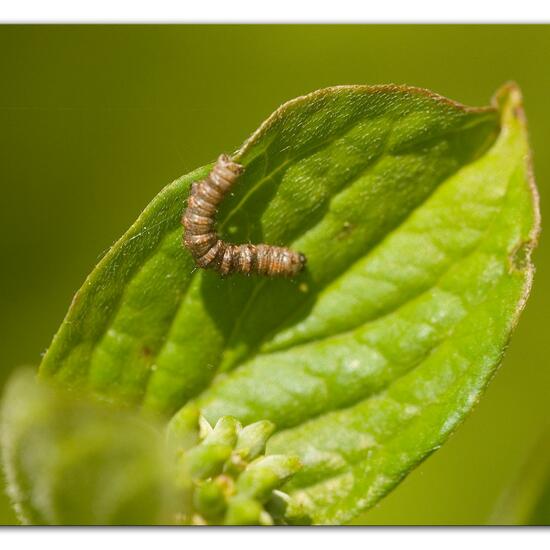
x=95, y=120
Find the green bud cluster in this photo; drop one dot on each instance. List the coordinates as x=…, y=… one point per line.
x=223, y=474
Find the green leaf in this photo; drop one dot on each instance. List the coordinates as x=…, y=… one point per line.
x=72, y=462
x=417, y=216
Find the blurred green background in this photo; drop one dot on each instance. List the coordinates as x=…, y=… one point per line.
x=95, y=120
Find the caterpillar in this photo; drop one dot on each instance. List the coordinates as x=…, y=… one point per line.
x=211, y=252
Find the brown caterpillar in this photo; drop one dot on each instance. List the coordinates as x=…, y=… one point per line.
x=209, y=251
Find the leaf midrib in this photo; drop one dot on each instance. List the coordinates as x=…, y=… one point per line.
x=452, y=265
x=261, y=284
x=257, y=350
x=98, y=339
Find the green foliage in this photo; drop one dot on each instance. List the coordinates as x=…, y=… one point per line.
x=417, y=216
x=224, y=478
x=73, y=462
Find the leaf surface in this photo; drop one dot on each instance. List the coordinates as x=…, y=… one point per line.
x=417, y=216
x=73, y=462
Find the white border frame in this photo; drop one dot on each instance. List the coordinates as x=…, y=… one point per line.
x=363, y=538
x=276, y=11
